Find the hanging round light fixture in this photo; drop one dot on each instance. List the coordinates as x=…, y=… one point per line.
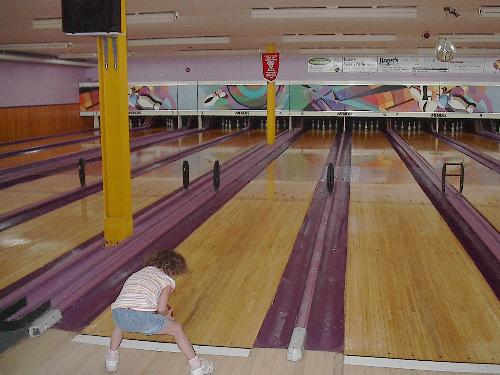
x=445, y=50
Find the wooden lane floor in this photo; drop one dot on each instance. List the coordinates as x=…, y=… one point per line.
x=412, y=291
x=236, y=258
x=28, y=246
x=47, y=141
x=23, y=194
x=46, y=154
x=482, y=185
x=70, y=137
x=486, y=145
x=50, y=153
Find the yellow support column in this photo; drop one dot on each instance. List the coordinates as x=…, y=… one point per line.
x=271, y=105
x=115, y=143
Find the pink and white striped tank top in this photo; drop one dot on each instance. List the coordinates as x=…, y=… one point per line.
x=142, y=290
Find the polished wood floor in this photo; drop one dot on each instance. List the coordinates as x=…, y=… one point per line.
x=54, y=152
x=411, y=289
x=236, y=258
x=23, y=194
x=481, y=184
x=28, y=246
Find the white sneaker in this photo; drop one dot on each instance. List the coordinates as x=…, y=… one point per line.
x=112, y=363
x=206, y=368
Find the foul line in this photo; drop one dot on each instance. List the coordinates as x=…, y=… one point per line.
x=409, y=364
x=163, y=346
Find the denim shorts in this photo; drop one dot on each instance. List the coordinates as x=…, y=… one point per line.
x=146, y=322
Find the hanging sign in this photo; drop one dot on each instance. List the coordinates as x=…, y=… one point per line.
x=270, y=65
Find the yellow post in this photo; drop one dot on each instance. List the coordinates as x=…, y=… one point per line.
x=115, y=143
x=271, y=104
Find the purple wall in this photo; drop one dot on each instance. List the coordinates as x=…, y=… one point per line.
x=29, y=84
x=248, y=68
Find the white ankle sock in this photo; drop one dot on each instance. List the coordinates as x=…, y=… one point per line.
x=195, y=362
x=112, y=354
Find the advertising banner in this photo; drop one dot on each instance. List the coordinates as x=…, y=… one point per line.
x=324, y=64
x=466, y=65
x=396, y=64
x=359, y=64
x=429, y=65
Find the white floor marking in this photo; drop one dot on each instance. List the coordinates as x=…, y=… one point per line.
x=163, y=346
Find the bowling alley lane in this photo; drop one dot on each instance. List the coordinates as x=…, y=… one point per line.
x=26, y=193
x=486, y=145
x=46, y=141
x=236, y=258
x=412, y=291
x=45, y=154
x=28, y=246
x=481, y=184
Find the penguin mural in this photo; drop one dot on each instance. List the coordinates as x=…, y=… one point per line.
x=423, y=95
x=142, y=99
x=454, y=100
x=214, y=97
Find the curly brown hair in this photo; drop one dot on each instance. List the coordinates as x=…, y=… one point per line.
x=168, y=261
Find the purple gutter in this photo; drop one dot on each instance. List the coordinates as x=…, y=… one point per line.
x=325, y=330
x=486, y=160
x=321, y=290
x=39, y=208
x=276, y=330
x=478, y=237
x=57, y=144
x=92, y=268
x=33, y=171
x=478, y=127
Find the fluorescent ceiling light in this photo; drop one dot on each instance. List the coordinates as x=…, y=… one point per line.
x=132, y=19
x=34, y=46
x=336, y=12
x=343, y=51
x=139, y=18
x=90, y=55
x=70, y=56
x=48, y=23
x=219, y=52
x=42, y=60
x=481, y=38
x=339, y=38
x=180, y=41
x=487, y=11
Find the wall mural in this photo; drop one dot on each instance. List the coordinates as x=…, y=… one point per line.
x=239, y=97
x=89, y=98
x=308, y=97
x=147, y=98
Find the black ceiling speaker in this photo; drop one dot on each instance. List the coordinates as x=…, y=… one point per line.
x=91, y=17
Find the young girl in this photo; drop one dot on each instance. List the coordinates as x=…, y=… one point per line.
x=142, y=307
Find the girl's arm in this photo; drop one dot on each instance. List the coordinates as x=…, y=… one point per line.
x=163, y=307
